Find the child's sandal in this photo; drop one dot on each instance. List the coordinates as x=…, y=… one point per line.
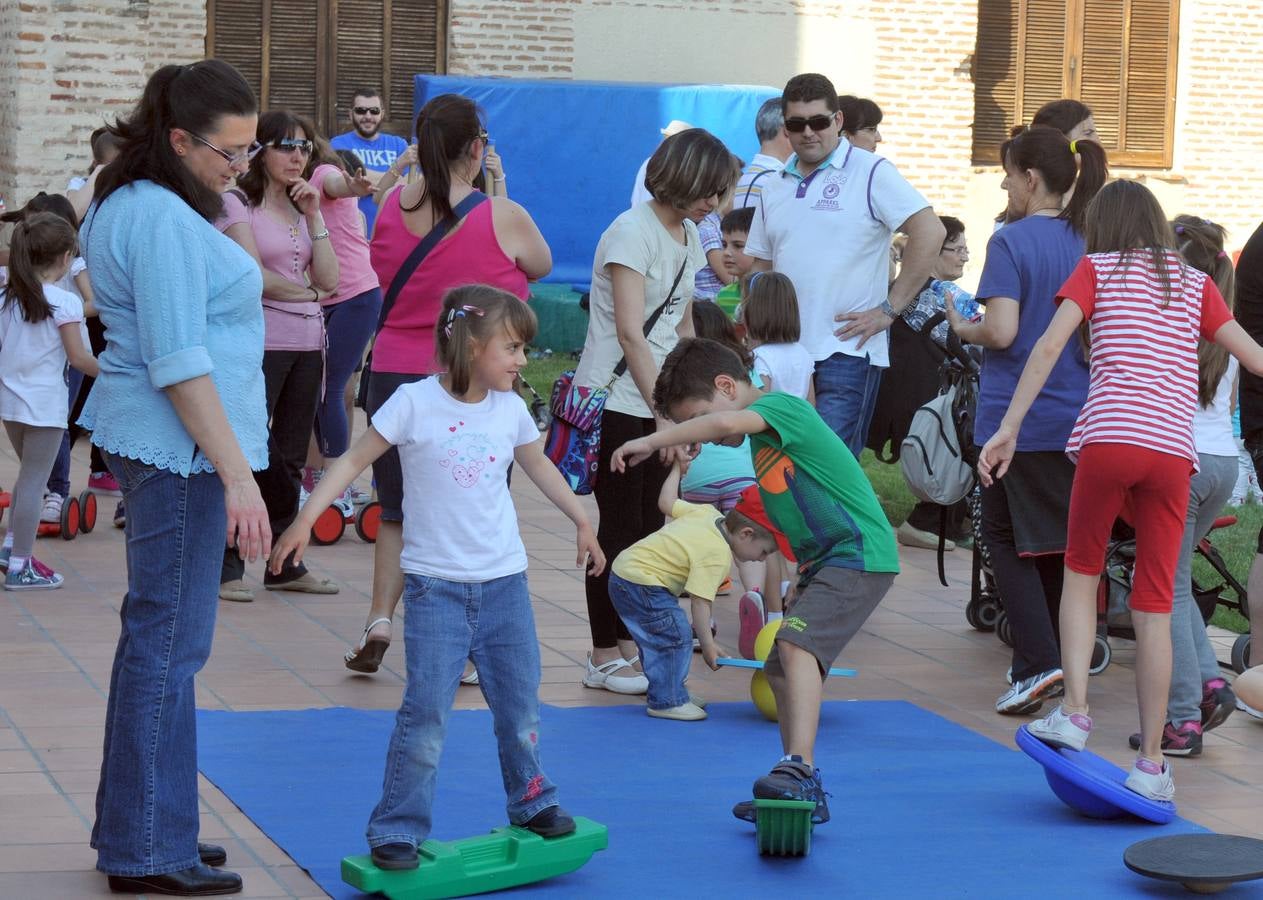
x=367, y=656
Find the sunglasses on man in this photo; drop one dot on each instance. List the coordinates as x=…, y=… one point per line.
x=288, y=145
x=797, y=124
x=367, y=110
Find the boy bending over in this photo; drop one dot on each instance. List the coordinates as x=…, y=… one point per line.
x=813, y=491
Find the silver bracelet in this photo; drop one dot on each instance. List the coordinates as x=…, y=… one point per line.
x=320, y=236
x=889, y=310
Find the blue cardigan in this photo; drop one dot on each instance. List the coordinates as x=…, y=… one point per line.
x=178, y=300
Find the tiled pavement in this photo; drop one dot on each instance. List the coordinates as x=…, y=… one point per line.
x=284, y=651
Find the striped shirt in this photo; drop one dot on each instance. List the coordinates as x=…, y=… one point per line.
x=1143, y=387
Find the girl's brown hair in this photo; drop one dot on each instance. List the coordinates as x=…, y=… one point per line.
x=446, y=128
x=1082, y=167
x=769, y=308
x=1201, y=243
x=690, y=166
x=1126, y=218
x=472, y=316
x=711, y=322
x=39, y=241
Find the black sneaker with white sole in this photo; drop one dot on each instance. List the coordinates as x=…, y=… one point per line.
x=1028, y=695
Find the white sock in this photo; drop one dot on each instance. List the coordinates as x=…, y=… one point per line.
x=784, y=587
x=775, y=616
x=17, y=563
x=8, y=540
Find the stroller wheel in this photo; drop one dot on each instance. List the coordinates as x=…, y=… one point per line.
x=1101, y=655
x=988, y=614
x=971, y=615
x=1241, y=653
x=1004, y=628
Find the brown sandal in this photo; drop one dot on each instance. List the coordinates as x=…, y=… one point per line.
x=367, y=657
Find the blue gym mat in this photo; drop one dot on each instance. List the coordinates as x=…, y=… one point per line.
x=921, y=806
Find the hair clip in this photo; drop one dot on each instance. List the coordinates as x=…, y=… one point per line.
x=1179, y=229
x=459, y=312
x=753, y=278
x=1074, y=146
x=1221, y=255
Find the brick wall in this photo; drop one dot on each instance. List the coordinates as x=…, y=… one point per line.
x=70, y=64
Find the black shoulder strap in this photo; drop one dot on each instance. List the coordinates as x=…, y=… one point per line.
x=745, y=198
x=422, y=250
x=653, y=319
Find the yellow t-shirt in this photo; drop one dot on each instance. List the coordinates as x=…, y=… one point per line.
x=687, y=554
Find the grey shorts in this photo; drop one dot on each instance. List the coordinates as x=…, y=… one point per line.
x=828, y=612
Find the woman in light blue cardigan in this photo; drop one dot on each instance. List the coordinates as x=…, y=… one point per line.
x=179, y=411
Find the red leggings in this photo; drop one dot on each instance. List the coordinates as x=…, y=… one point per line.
x=1150, y=490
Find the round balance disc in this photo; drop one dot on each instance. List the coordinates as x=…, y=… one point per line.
x=1089, y=784
x=1203, y=863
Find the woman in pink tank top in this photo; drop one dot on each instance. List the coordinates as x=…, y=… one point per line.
x=496, y=243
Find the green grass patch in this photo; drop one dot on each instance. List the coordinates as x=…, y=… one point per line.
x=541, y=373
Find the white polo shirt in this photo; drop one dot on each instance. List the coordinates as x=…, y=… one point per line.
x=830, y=233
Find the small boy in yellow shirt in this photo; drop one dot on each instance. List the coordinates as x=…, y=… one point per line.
x=691, y=554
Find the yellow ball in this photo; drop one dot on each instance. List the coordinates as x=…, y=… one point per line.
x=766, y=638
x=761, y=694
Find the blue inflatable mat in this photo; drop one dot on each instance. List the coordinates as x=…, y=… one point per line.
x=571, y=149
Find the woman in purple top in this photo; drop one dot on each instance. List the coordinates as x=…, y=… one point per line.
x=275, y=216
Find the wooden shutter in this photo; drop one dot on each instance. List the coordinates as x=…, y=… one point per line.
x=234, y=33
x=294, y=63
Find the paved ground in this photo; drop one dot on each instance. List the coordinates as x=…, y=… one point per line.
x=284, y=651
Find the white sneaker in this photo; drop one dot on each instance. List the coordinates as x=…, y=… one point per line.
x=359, y=497
x=1029, y=694
x=1154, y=785
x=303, y=496
x=345, y=505
x=52, y=508
x=1060, y=730
x=688, y=712
x=603, y=677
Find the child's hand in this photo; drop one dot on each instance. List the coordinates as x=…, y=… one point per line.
x=996, y=455
x=710, y=655
x=294, y=540
x=631, y=454
x=591, y=555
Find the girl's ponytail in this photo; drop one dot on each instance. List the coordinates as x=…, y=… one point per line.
x=445, y=128
x=1201, y=243
x=1093, y=170
x=1064, y=165
x=38, y=242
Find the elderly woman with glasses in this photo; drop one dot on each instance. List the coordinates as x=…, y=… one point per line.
x=275, y=216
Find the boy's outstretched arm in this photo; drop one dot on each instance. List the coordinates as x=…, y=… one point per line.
x=540, y=469
x=670, y=489
x=702, y=430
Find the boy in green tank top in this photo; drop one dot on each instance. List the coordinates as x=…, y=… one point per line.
x=814, y=491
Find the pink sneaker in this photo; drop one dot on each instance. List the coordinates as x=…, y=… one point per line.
x=750, y=611
x=103, y=483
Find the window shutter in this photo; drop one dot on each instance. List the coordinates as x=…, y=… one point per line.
x=1127, y=76
x=234, y=33
x=414, y=49
x=293, y=63
x=1020, y=64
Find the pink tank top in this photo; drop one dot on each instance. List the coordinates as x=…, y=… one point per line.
x=470, y=255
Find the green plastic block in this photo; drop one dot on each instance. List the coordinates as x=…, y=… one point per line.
x=508, y=857
x=783, y=827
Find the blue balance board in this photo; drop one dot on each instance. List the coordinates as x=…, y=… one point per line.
x=758, y=664
x=1089, y=784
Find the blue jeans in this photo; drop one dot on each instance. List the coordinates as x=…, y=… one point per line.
x=349, y=325
x=447, y=622
x=661, y=631
x=59, y=480
x=846, y=393
x=146, y=803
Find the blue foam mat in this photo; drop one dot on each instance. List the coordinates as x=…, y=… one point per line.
x=920, y=806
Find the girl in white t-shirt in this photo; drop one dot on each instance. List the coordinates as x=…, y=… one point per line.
x=769, y=311
x=463, y=560
x=39, y=332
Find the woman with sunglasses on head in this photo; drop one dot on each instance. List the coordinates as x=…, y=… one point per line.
x=484, y=240
x=274, y=215
x=178, y=407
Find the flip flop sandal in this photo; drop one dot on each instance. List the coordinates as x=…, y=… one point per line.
x=471, y=678
x=367, y=656
x=307, y=583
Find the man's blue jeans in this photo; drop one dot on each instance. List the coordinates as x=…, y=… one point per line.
x=662, y=632
x=146, y=804
x=445, y=623
x=846, y=393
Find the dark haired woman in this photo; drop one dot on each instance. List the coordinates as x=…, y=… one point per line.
x=860, y=118
x=496, y=244
x=645, y=265
x=1024, y=514
x=276, y=218
x=179, y=409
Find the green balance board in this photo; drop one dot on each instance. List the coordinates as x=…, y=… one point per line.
x=783, y=827
x=508, y=857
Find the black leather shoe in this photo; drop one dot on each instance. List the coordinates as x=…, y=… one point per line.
x=212, y=854
x=195, y=881
x=552, y=821
x=399, y=855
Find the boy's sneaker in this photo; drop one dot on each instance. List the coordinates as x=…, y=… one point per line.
x=792, y=779
x=103, y=483
x=52, y=508
x=345, y=506
x=120, y=515
x=750, y=612
x=1028, y=695
x=1218, y=702
x=1060, y=730
x=552, y=821
x=1151, y=781
x=34, y=576
x=359, y=497
x=1183, y=741
x=685, y=712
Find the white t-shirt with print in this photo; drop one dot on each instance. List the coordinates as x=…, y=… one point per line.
x=459, y=522
x=33, y=361
x=830, y=233
x=638, y=240
x=788, y=365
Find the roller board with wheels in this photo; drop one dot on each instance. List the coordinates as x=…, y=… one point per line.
x=367, y=521
x=78, y=514
x=329, y=526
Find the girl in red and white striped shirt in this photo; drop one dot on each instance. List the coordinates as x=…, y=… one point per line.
x=1133, y=442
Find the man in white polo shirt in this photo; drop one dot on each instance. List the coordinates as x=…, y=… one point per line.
x=826, y=221
x=774, y=149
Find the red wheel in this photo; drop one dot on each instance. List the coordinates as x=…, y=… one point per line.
x=70, y=519
x=87, y=512
x=328, y=528
x=48, y=529
x=367, y=522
